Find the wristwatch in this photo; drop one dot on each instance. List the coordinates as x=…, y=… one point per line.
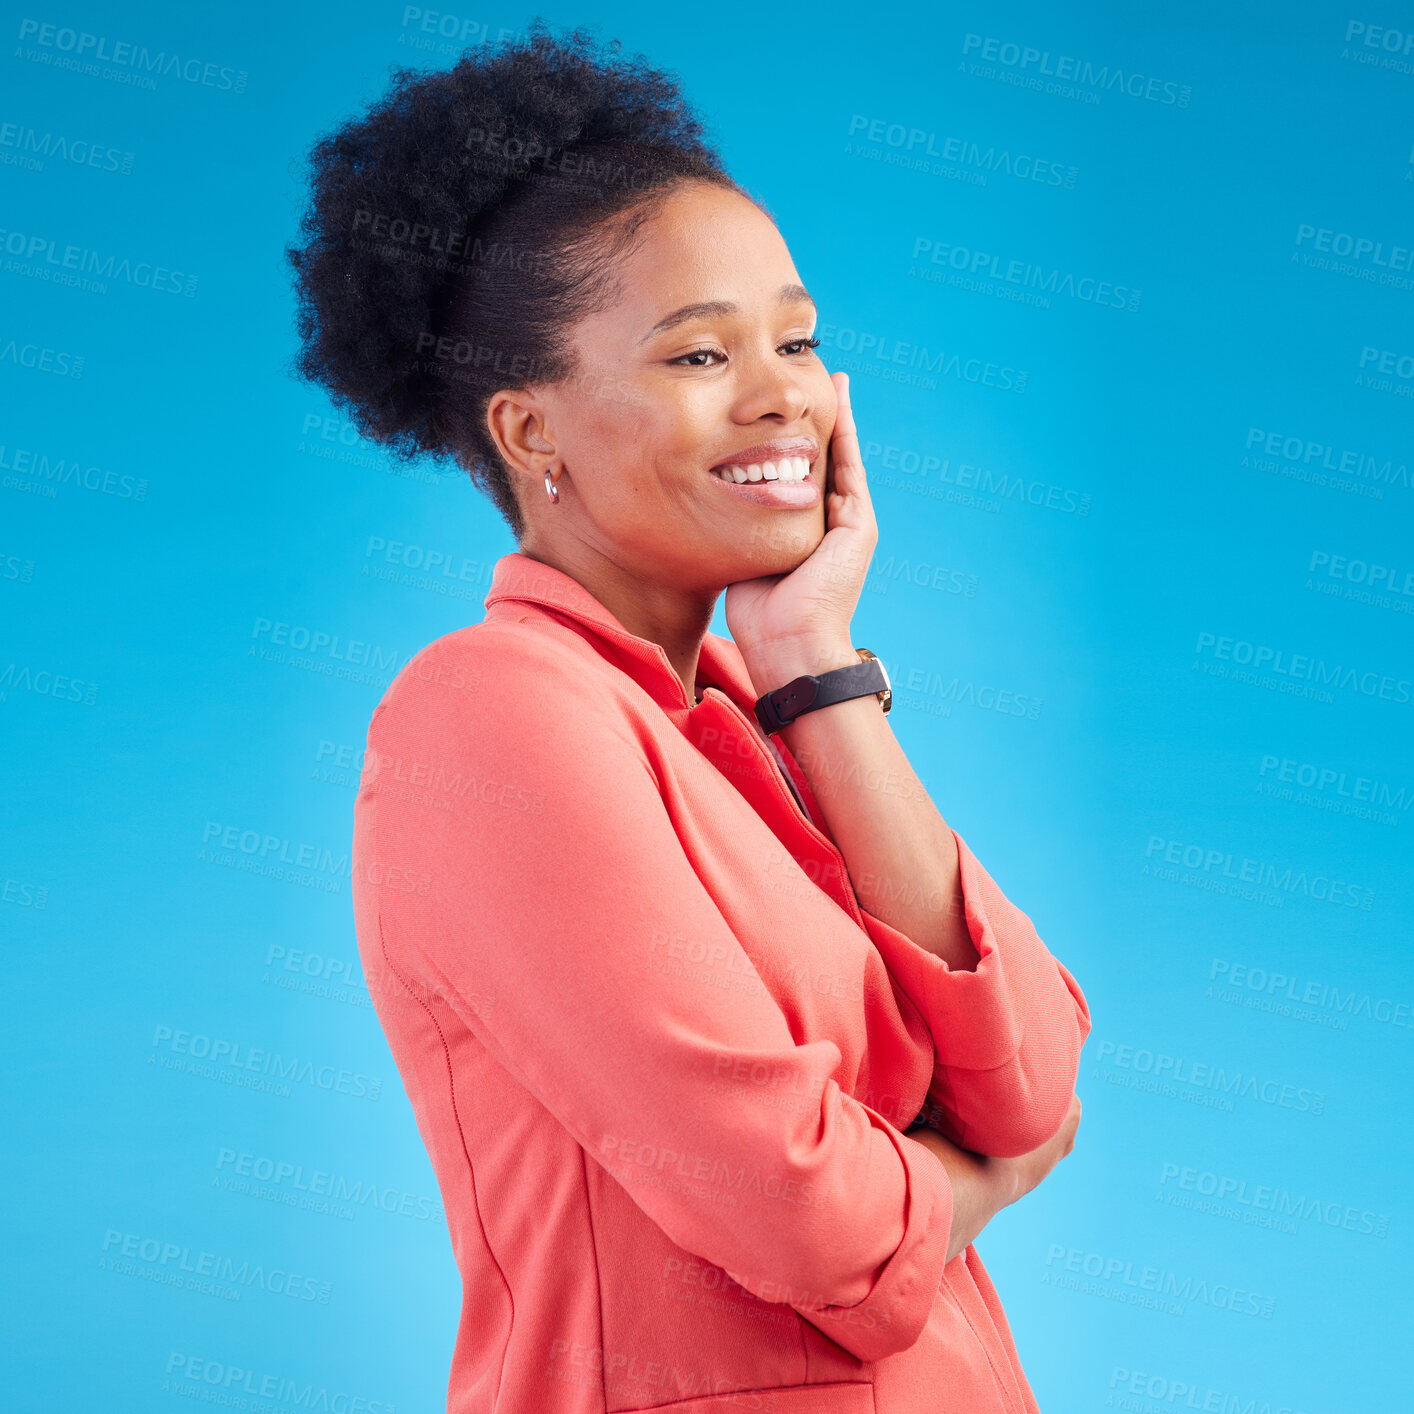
x=780, y=707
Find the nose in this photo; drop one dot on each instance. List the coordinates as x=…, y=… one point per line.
x=771, y=387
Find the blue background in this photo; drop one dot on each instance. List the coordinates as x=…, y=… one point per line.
x=1139, y=541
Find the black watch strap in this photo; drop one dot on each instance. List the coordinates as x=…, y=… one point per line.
x=779, y=708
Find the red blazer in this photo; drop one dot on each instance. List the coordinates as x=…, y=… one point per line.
x=660, y=1057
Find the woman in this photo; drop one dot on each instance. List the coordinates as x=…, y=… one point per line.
x=668, y=978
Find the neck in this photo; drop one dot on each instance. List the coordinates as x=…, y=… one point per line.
x=675, y=618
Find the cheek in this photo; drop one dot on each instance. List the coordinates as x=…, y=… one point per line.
x=827, y=400
x=673, y=439
x=606, y=447
x=635, y=464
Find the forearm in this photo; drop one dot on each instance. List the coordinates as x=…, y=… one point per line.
x=900, y=852
x=981, y=1187
x=984, y=1185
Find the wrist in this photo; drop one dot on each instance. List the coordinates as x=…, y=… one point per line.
x=974, y=1192
x=998, y=1182
x=1006, y=1179
x=783, y=662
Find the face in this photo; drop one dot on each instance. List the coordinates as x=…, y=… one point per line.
x=666, y=392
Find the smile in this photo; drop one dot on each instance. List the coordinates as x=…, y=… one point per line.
x=786, y=484
x=783, y=469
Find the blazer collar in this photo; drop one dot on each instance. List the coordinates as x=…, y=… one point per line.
x=518, y=582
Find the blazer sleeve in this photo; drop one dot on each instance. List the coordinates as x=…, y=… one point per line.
x=1006, y=1035
x=555, y=884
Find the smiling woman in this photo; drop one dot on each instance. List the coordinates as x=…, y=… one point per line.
x=723, y=1043
x=695, y=383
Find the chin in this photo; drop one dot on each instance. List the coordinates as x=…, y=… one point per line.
x=777, y=547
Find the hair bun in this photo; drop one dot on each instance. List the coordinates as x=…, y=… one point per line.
x=400, y=195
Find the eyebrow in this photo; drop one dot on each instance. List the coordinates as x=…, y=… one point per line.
x=787, y=294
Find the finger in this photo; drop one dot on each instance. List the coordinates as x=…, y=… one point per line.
x=844, y=442
x=848, y=478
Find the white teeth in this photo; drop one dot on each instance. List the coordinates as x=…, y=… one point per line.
x=783, y=469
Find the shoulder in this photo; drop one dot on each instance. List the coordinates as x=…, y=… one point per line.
x=496, y=686
x=498, y=653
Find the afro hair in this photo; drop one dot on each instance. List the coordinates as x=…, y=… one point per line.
x=459, y=228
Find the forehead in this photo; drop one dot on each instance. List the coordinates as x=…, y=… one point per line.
x=703, y=243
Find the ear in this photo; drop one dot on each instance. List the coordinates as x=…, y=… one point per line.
x=518, y=422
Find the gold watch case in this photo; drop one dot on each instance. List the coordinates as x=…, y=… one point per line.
x=886, y=697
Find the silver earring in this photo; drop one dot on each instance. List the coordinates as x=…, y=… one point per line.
x=550, y=490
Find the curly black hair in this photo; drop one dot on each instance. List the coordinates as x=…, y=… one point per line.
x=460, y=228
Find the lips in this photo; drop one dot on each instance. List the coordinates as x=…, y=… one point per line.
x=783, y=492
x=778, y=449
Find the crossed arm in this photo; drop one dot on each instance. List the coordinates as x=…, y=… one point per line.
x=1008, y=1019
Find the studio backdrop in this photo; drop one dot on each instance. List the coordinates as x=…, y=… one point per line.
x=1126, y=298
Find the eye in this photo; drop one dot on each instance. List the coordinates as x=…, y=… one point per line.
x=696, y=353
x=797, y=345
